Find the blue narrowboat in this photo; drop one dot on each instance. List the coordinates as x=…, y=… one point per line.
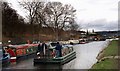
x=4, y=58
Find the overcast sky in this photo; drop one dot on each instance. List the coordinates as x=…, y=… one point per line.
x=100, y=15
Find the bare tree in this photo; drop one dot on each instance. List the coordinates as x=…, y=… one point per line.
x=54, y=15
x=57, y=15
x=32, y=8
x=39, y=17
x=74, y=26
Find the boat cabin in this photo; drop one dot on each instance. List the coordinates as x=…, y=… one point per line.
x=68, y=54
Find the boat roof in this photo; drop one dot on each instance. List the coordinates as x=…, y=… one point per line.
x=22, y=46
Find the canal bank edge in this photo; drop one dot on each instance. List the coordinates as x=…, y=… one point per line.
x=100, y=55
x=109, y=57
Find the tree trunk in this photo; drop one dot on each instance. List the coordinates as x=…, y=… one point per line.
x=40, y=29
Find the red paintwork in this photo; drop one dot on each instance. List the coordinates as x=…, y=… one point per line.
x=19, y=49
x=11, y=52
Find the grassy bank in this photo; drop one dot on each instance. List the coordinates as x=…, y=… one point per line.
x=108, y=63
x=112, y=49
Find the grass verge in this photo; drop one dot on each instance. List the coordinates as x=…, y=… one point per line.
x=112, y=49
x=108, y=63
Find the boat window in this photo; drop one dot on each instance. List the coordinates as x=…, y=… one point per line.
x=53, y=44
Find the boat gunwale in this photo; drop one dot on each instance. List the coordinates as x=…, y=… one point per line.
x=60, y=60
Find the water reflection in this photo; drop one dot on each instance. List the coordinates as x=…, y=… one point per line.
x=27, y=63
x=48, y=66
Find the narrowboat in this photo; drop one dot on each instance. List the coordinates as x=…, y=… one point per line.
x=4, y=58
x=72, y=42
x=83, y=41
x=22, y=50
x=68, y=54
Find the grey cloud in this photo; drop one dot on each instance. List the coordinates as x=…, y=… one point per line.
x=111, y=25
x=102, y=25
x=96, y=23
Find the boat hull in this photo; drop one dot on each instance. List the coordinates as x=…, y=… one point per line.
x=60, y=60
x=6, y=60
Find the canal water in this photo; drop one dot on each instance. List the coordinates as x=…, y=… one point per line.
x=85, y=58
x=86, y=55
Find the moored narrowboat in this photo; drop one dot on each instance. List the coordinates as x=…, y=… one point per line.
x=83, y=41
x=22, y=50
x=68, y=54
x=4, y=58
